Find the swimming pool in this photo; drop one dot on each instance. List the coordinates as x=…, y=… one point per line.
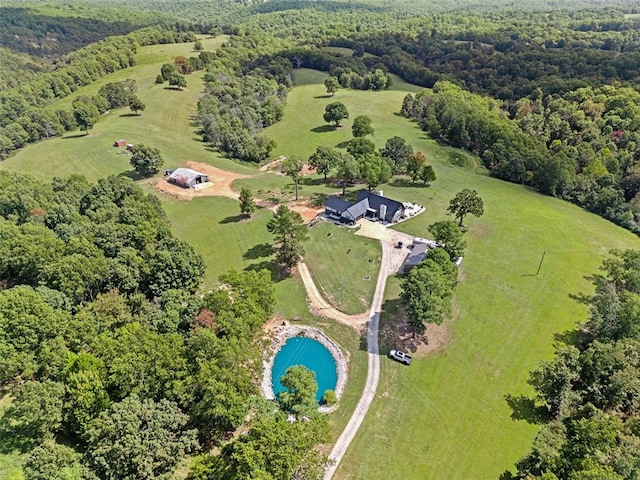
x=313, y=355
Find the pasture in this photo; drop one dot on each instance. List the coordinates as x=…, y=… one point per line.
x=447, y=415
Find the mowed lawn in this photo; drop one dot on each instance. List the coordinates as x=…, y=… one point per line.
x=344, y=266
x=446, y=416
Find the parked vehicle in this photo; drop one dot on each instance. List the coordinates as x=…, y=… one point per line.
x=401, y=357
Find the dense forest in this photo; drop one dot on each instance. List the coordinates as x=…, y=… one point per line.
x=103, y=332
x=123, y=369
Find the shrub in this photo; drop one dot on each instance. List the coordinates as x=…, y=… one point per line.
x=329, y=398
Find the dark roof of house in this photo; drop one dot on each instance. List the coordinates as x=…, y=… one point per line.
x=416, y=255
x=376, y=200
x=337, y=204
x=358, y=209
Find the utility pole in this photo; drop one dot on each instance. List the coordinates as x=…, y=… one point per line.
x=541, y=260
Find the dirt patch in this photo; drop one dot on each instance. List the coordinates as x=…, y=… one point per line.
x=220, y=180
x=397, y=333
x=273, y=166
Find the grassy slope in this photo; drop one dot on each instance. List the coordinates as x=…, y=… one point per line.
x=446, y=416
x=163, y=124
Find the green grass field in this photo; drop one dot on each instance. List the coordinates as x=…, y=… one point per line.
x=165, y=124
x=445, y=416
x=343, y=266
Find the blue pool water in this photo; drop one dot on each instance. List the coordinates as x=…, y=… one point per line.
x=313, y=355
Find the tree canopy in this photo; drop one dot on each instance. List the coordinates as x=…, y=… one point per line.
x=290, y=232
x=466, y=202
x=335, y=112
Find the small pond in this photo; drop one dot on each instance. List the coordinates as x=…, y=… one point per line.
x=313, y=355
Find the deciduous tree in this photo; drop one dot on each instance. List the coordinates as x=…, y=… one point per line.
x=292, y=168
x=448, y=234
x=335, y=112
x=324, y=159
x=331, y=84
x=290, y=231
x=300, y=394
x=374, y=170
x=86, y=115
x=466, y=201
x=348, y=170
x=146, y=160
x=139, y=439
x=427, y=174
x=135, y=104
x=177, y=80
x=397, y=151
x=362, y=126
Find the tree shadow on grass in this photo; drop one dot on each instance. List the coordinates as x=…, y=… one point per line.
x=258, y=251
x=75, y=135
x=318, y=199
x=324, y=96
x=343, y=144
x=404, y=182
x=395, y=332
x=311, y=181
x=130, y=114
x=133, y=175
x=277, y=275
x=232, y=219
x=323, y=129
x=525, y=408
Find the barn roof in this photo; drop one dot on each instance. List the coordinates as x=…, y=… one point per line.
x=186, y=175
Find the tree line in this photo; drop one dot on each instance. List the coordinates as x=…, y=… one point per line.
x=588, y=396
x=581, y=146
x=24, y=115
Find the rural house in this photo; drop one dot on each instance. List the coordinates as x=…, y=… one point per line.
x=187, y=178
x=368, y=205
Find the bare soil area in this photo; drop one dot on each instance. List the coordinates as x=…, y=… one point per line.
x=220, y=180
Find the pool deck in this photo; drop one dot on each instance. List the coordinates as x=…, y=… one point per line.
x=280, y=334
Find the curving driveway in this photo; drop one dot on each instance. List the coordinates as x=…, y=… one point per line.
x=392, y=259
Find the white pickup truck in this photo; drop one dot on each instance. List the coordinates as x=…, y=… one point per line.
x=401, y=357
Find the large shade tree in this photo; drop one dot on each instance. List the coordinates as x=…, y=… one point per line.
x=290, y=232
x=324, y=159
x=362, y=126
x=300, y=394
x=140, y=439
x=146, y=160
x=335, y=112
x=397, y=151
x=466, y=202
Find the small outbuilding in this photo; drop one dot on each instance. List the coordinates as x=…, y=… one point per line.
x=187, y=178
x=120, y=142
x=416, y=255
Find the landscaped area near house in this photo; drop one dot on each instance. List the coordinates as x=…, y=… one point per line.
x=505, y=317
